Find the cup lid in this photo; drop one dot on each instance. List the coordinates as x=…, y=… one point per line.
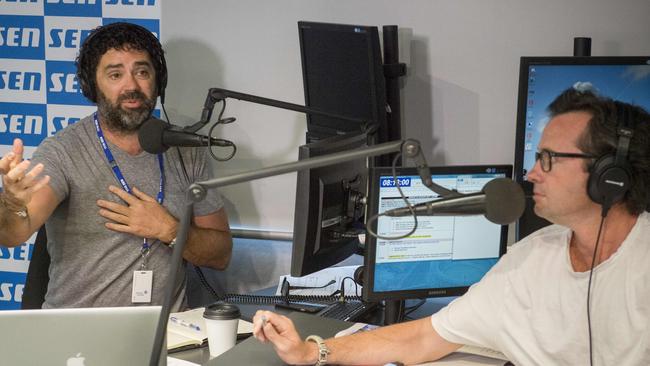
x=221, y=311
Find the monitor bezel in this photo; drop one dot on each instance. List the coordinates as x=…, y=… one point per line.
x=375, y=67
x=371, y=242
x=308, y=207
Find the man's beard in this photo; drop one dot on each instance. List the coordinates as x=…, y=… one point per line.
x=125, y=120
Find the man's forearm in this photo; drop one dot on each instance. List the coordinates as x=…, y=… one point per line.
x=208, y=247
x=409, y=343
x=14, y=227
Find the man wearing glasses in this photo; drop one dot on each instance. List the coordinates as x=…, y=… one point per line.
x=573, y=293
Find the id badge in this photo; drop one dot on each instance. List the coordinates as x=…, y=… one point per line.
x=142, y=286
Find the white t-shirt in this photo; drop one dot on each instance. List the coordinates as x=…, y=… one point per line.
x=532, y=306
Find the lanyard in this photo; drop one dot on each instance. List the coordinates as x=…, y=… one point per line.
x=120, y=177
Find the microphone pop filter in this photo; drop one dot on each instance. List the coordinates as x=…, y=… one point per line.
x=150, y=136
x=504, y=201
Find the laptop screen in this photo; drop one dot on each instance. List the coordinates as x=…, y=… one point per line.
x=446, y=254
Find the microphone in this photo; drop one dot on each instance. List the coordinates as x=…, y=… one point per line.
x=156, y=136
x=501, y=201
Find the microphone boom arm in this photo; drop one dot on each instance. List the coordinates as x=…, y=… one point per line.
x=198, y=189
x=218, y=94
x=197, y=192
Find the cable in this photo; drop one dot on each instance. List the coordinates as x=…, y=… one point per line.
x=404, y=198
x=229, y=143
x=199, y=272
x=278, y=299
x=591, y=273
x=356, y=285
x=410, y=309
x=165, y=113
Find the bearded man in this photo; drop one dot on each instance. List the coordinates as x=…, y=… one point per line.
x=109, y=208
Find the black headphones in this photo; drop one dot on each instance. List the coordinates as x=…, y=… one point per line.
x=611, y=174
x=86, y=72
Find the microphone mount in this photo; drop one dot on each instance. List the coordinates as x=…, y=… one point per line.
x=198, y=190
x=216, y=95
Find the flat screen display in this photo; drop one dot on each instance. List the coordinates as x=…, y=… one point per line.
x=542, y=79
x=446, y=254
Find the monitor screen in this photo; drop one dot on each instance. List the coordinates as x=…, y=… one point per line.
x=446, y=254
x=329, y=211
x=343, y=74
x=542, y=79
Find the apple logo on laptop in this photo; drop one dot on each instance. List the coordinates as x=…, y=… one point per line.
x=76, y=360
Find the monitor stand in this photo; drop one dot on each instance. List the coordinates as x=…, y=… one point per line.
x=393, y=311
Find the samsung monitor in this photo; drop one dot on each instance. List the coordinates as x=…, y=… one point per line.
x=343, y=73
x=446, y=254
x=329, y=210
x=541, y=79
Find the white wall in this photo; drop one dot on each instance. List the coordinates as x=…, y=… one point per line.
x=459, y=96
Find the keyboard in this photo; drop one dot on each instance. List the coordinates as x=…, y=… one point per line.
x=347, y=310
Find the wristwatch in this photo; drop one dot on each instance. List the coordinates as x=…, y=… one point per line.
x=172, y=243
x=323, y=351
x=21, y=212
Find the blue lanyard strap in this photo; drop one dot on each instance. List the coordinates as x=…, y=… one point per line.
x=120, y=177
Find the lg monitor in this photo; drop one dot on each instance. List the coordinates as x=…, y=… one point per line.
x=446, y=254
x=343, y=73
x=329, y=211
x=541, y=79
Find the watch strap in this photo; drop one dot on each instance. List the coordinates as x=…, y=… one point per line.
x=323, y=351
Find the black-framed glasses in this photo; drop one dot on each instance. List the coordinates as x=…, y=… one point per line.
x=545, y=158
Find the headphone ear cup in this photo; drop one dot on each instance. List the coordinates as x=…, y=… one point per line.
x=608, y=182
x=162, y=79
x=87, y=87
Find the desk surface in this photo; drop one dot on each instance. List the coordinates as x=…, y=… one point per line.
x=312, y=325
x=253, y=352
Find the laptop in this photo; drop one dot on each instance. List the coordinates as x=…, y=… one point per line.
x=79, y=337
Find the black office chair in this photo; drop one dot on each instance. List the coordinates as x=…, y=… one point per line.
x=37, y=274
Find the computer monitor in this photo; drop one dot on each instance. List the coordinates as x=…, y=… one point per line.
x=343, y=73
x=541, y=79
x=446, y=254
x=329, y=212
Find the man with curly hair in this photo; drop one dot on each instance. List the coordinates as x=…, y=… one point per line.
x=109, y=208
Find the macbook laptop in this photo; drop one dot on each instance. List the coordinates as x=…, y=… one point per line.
x=79, y=337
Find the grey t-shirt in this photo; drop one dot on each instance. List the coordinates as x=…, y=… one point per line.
x=90, y=264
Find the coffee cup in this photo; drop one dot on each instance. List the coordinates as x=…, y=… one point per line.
x=221, y=321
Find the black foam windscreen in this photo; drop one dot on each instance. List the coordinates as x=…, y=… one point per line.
x=150, y=136
x=504, y=201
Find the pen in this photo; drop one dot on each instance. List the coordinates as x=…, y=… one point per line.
x=184, y=323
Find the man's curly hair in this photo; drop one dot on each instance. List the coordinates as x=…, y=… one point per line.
x=119, y=36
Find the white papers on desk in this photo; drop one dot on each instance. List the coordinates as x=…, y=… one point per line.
x=171, y=361
x=321, y=278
